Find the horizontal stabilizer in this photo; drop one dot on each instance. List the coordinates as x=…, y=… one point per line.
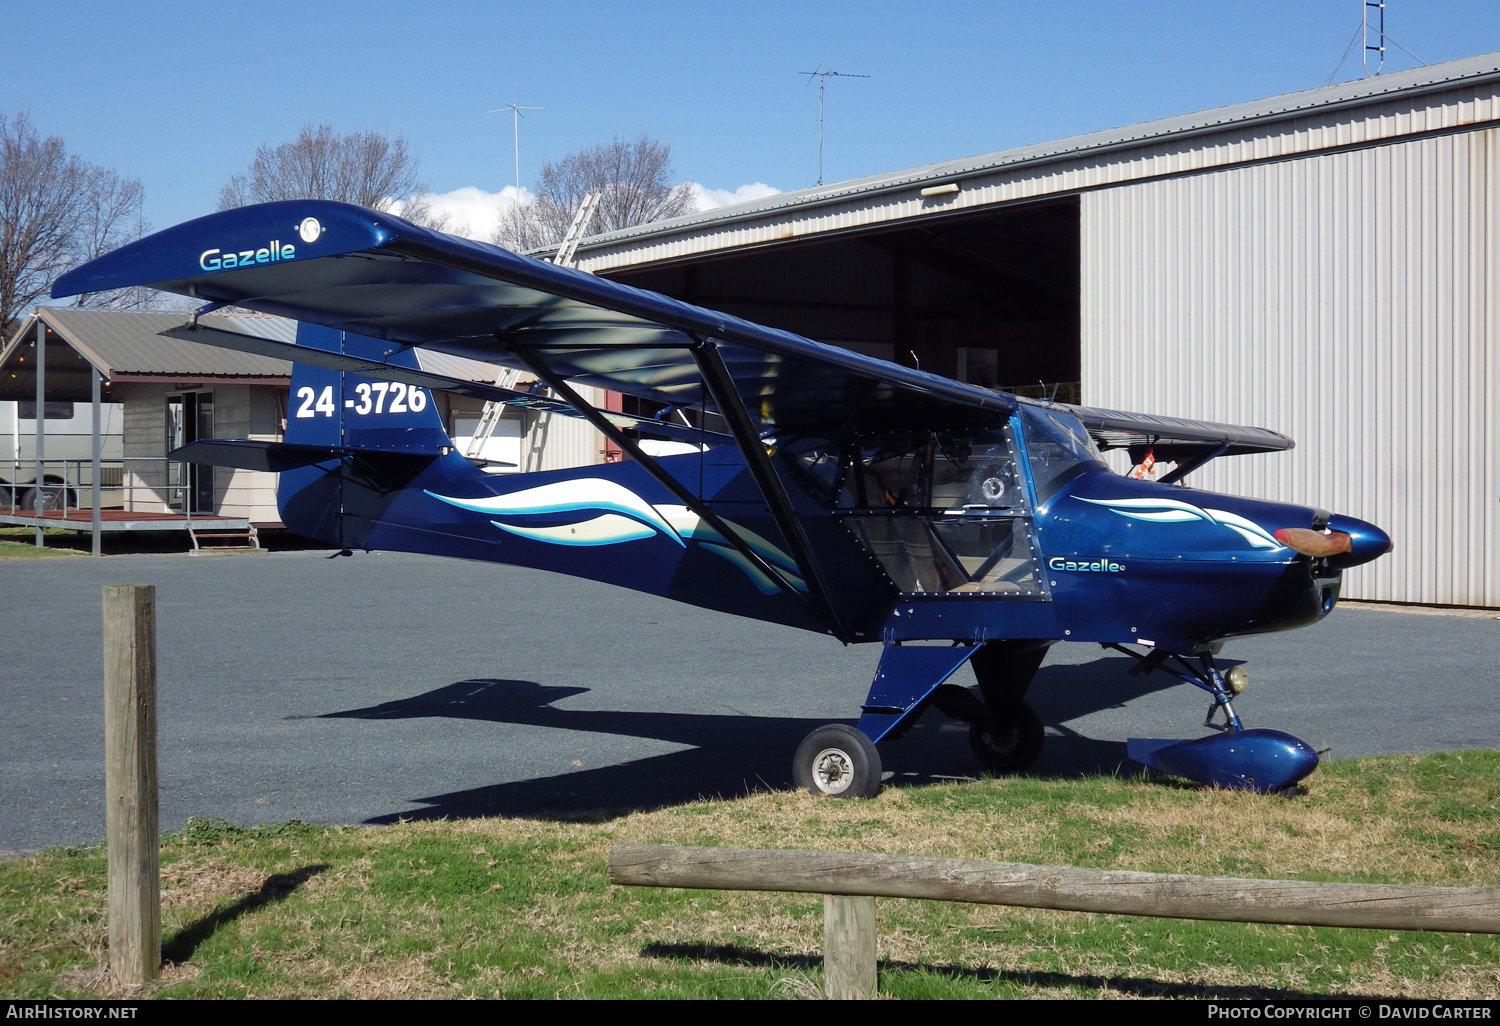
x=374, y=368
x=314, y=357
x=273, y=457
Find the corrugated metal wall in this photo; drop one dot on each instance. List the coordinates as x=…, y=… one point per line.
x=553, y=442
x=1346, y=300
x=1031, y=176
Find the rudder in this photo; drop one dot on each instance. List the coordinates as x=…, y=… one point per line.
x=353, y=411
x=384, y=429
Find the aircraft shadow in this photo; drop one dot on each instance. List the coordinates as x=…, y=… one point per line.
x=733, y=755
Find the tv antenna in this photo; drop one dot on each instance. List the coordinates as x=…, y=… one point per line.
x=823, y=77
x=516, y=130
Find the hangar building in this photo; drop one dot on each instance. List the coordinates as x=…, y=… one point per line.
x=1322, y=263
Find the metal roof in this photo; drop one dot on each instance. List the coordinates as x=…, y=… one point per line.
x=457, y=366
x=1431, y=78
x=128, y=343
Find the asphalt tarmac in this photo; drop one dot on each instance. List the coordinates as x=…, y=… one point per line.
x=381, y=686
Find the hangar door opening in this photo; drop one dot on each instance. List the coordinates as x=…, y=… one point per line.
x=991, y=298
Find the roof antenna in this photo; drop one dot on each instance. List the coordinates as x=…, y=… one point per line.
x=914, y=359
x=823, y=77
x=1370, y=28
x=1379, y=30
x=1381, y=38
x=516, y=117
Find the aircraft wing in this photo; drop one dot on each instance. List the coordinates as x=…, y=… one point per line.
x=374, y=274
x=1112, y=429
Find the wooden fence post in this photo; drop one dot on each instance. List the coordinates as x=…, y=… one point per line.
x=130, y=782
x=848, y=947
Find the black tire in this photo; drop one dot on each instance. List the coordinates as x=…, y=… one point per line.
x=1009, y=743
x=837, y=761
x=53, y=498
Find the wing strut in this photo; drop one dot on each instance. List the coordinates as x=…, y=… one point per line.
x=1188, y=466
x=721, y=389
x=586, y=410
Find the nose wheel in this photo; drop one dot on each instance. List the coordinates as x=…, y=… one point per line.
x=1009, y=741
x=837, y=761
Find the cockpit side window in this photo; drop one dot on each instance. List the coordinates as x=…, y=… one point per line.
x=946, y=514
x=1057, y=447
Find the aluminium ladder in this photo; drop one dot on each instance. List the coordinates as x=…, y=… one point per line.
x=564, y=257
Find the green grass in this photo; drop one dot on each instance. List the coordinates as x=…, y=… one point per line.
x=20, y=543
x=521, y=907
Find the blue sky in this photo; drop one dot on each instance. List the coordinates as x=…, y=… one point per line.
x=180, y=94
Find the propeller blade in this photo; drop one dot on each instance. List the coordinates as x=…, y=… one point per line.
x=1315, y=543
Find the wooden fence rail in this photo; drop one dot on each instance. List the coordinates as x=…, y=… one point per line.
x=1167, y=895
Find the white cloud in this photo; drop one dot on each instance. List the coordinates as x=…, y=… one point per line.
x=472, y=212
x=708, y=199
x=475, y=214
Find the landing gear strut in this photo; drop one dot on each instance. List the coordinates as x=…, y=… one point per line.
x=1005, y=735
x=1011, y=738
x=1255, y=760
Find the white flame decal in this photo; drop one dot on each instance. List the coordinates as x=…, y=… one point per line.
x=1174, y=511
x=625, y=517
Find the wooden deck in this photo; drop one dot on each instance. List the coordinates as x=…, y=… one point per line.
x=123, y=520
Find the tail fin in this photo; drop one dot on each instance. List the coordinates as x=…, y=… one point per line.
x=380, y=434
x=351, y=411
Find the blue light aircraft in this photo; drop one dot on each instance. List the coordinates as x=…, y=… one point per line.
x=815, y=487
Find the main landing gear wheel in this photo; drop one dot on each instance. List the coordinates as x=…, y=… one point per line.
x=1010, y=742
x=837, y=761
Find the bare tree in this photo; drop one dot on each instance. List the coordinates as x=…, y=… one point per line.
x=56, y=211
x=634, y=176
x=366, y=168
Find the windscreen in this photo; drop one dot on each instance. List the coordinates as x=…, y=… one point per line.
x=1057, y=447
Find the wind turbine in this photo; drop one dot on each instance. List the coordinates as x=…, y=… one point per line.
x=823, y=77
x=516, y=120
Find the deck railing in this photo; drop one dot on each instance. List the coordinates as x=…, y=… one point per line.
x=67, y=485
